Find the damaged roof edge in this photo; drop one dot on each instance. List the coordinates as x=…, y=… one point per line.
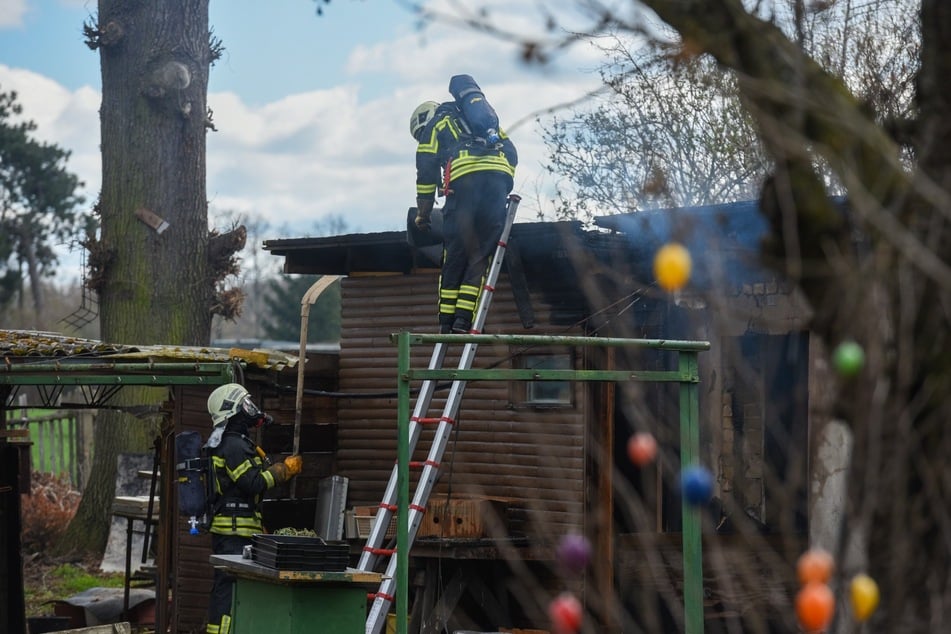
x=21, y=345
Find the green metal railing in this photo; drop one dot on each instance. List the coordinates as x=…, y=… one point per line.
x=687, y=375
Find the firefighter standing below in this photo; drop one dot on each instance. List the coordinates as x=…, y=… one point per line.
x=476, y=178
x=240, y=477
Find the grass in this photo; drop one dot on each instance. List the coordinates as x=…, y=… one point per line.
x=48, y=582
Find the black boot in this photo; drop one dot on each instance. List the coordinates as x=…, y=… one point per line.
x=461, y=326
x=445, y=325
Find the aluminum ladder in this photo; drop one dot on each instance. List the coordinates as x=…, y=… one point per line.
x=373, y=551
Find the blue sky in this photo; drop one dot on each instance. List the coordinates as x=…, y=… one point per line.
x=49, y=40
x=312, y=111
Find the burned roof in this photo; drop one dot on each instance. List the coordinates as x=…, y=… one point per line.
x=392, y=251
x=724, y=240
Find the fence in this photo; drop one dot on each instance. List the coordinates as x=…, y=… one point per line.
x=59, y=439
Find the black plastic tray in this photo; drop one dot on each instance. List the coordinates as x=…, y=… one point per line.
x=292, y=552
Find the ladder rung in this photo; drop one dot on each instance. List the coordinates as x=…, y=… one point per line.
x=389, y=507
x=383, y=595
x=426, y=421
x=490, y=289
x=417, y=508
x=379, y=551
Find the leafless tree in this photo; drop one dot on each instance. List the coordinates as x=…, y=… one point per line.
x=865, y=110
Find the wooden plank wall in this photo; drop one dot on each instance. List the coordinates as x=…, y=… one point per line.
x=535, y=458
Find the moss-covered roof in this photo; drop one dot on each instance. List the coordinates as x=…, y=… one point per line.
x=34, y=344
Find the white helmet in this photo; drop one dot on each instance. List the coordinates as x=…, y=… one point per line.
x=423, y=114
x=227, y=400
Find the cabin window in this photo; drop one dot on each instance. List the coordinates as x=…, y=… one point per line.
x=544, y=393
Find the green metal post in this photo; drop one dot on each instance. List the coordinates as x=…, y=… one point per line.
x=690, y=454
x=402, y=486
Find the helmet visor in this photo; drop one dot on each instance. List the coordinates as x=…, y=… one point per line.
x=249, y=408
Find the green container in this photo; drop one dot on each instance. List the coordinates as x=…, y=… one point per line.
x=299, y=608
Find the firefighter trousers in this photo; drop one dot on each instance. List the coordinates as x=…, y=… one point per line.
x=473, y=219
x=222, y=589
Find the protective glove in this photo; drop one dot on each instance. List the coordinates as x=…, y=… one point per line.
x=294, y=464
x=424, y=212
x=284, y=471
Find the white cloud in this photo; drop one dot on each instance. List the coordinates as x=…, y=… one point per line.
x=11, y=13
x=345, y=150
x=67, y=119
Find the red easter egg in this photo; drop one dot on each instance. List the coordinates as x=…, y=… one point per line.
x=565, y=612
x=642, y=448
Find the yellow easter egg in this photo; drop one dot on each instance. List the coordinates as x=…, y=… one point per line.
x=672, y=266
x=864, y=596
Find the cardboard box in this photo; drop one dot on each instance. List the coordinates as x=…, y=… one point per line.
x=361, y=519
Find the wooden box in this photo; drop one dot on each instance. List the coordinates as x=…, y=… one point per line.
x=462, y=517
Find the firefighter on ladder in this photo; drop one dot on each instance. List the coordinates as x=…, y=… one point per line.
x=476, y=179
x=240, y=475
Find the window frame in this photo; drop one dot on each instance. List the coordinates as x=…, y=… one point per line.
x=522, y=392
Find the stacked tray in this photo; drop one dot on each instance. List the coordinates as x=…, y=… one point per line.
x=292, y=552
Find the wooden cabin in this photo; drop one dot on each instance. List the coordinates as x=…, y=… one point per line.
x=542, y=460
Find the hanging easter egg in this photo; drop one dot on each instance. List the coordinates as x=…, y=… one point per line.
x=848, y=358
x=816, y=564
x=574, y=552
x=565, y=612
x=864, y=596
x=815, y=605
x=672, y=266
x=642, y=448
x=696, y=484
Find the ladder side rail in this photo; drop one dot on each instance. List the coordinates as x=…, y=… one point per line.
x=495, y=268
x=427, y=480
x=369, y=557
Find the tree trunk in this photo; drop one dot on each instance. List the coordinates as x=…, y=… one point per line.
x=155, y=283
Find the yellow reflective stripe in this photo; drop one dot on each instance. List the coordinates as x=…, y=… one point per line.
x=240, y=470
x=466, y=164
x=447, y=300
x=225, y=624
x=238, y=520
x=423, y=189
x=470, y=289
x=218, y=463
x=432, y=145
x=212, y=629
x=269, y=478
x=226, y=522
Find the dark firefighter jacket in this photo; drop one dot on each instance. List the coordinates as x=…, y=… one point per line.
x=240, y=478
x=445, y=147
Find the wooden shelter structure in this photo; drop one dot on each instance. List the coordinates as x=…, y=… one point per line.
x=56, y=371
x=545, y=460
